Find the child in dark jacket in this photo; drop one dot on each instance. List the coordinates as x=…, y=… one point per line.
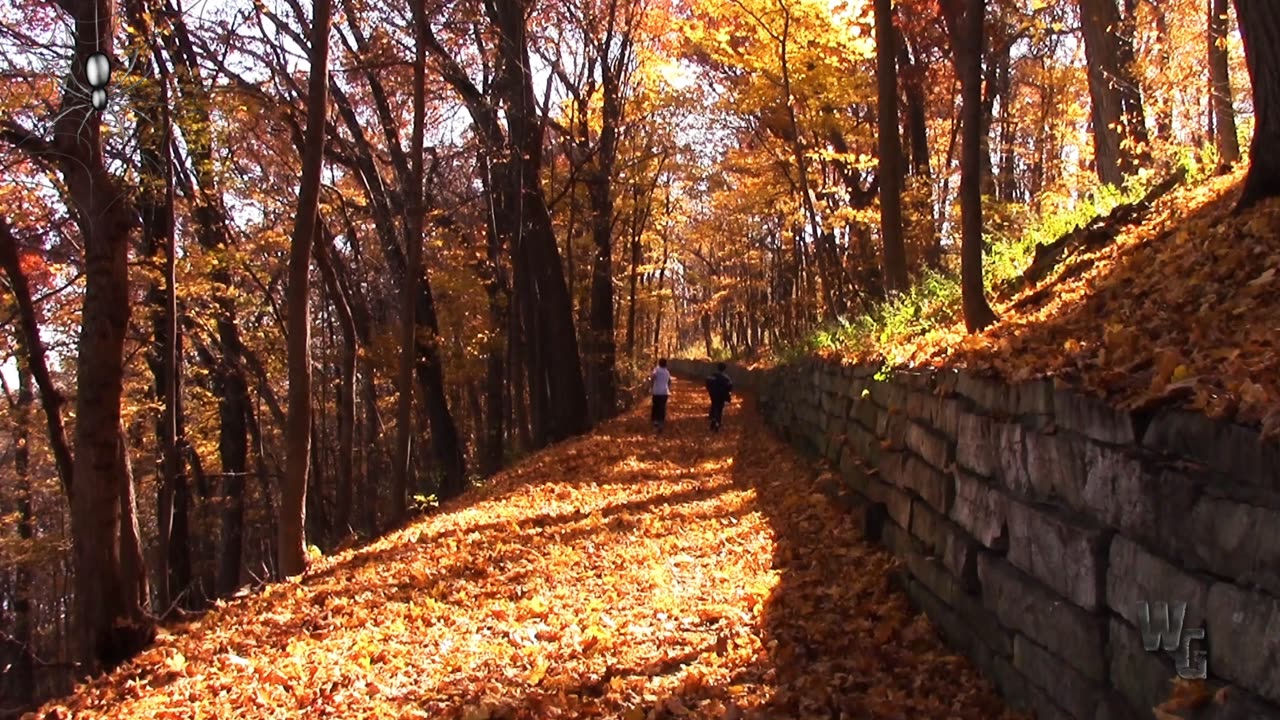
x=719, y=387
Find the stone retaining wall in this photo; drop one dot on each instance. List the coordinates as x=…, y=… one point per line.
x=1033, y=520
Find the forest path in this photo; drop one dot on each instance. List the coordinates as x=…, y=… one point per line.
x=620, y=574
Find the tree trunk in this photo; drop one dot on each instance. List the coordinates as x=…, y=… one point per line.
x=1005, y=181
x=917, y=123
x=705, y=325
x=532, y=342
x=475, y=412
x=428, y=368
x=157, y=207
x=1117, y=105
x=110, y=579
x=133, y=564
x=446, y=446
x=447, y=449
x=346, y=384
x=33, y=350
x=602, y=357
x=522, y=433
x=571, y=234
x=823, y=243
x=1260, y=28
x=998, y=57
x=921, y=219
x=662, y=274
x=1134, y=113
x=636, y=250
x=1219, y=76
x=499, y=303
x=234, y=417
x=402, y=464
x=633, y=273
x=316, y=523
x=557, y=392
x=601, y=346
x=21, y=675
x=373, y=457
x=613, y=58
x=965, y=22
x=493, y=452
x=292, y=548
x=551, y=335
x=233, y=452
x=111, y=592
x=268, y=479
x=1097, y=18
x=1164, y=108
x=891, y=171
x=210, y=215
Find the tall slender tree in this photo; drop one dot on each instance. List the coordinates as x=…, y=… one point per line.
x=1119, y=130
x=34, y=356
x=551, y=343
x=891, y=170
x=1260, y=30
x=112, y=594
x=1224, y=113
x=21, y=672
x=403, y=460
x=212, y=231
x=156, y=204
x=964, y=20
x=292, y=548
x=612, y=47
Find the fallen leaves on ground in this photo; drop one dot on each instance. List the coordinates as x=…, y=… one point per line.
x=1183, y=307
x=616, y=575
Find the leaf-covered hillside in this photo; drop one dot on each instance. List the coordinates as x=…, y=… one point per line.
x=1178, y=302
x=617, y=575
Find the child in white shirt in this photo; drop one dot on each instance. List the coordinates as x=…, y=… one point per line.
x=661, y=388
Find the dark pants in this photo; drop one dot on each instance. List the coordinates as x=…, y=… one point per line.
x=659, y=413
x=717, y=412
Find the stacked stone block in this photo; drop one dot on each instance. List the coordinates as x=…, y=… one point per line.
x=1032, y=519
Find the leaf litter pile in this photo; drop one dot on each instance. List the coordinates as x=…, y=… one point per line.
x=1178, y=304
x=616, y=575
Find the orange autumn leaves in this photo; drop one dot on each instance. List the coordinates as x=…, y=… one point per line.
x=1182, y=308
x=617, y=575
